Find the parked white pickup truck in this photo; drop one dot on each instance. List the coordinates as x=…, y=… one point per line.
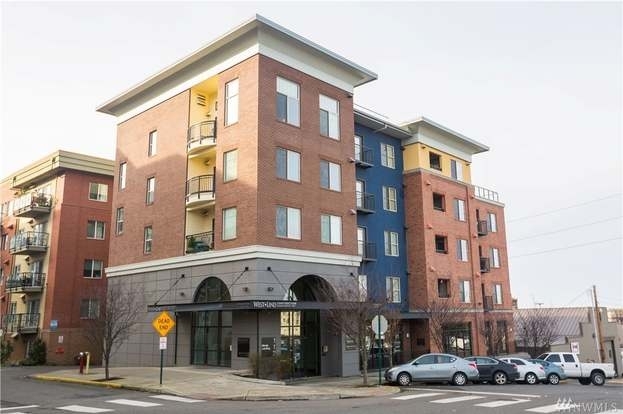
x=585, y=372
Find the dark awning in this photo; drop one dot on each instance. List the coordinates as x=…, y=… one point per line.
x=247, y=305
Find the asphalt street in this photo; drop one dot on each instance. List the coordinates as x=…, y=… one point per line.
x=20, y=394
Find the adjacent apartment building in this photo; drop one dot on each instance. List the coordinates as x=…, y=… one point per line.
x=248, y=190
x=54, y=248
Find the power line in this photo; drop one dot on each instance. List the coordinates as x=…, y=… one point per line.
x=566, y=247
x=566, y=229
x=565, y=208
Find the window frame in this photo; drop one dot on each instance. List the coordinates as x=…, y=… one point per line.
x=497, y=294
x=294, y=122
x=456, y=169
x=333, y=134
x=462, y=250
x=493, y=224
x=228, y=174
x=392, y=289
x=432, y=155
x=443, y=201
x=91, y=304
x=148, y=239
x=441, y=237
x=95, y=230
x=119, y=220
x=332, y=220
x=333, y=183
x=150, y=190
x=296, y=235
x=465, y=295
x=494, y=254
x=392, y=243
x=227, y=236
x=388, y=160
x=459, y=209
x=286, y=168
x=390, y=198
x=445, y=282
x=230, y=99
x=123, y=175
x=152, y=143
x=93, y=269
x=100, y=196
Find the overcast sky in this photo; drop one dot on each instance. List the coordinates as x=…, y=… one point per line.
x=540, y=83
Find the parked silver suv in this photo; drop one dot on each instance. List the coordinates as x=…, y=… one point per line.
x=434, y=367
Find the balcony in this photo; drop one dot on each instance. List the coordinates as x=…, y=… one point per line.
x=24, y=323
x=200, y=242
x=365, y=202
x=487, y=303
x=486, y=194
x=30, y=242
x=367, y=251
x=26, y=282
x=201, y=136
x=32, y=205
x=483, y=227
x=363, y=156
x=200, y=191
x=485, y=265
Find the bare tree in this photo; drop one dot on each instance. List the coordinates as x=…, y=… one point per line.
x=109, y=325
x=393, y=329
x=441, y=315
x=535, y=329
x=495, y=337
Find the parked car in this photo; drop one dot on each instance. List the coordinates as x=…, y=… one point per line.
x=529, y=372
x=553, y=372
x=585, y=372
x=494, y=371
x=433, y=368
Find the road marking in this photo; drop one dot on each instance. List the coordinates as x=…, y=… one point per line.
x=500, y=403
x=83, y=409
x=176, y=398
x=21, y=407
x=133, y=403
x=412, y=396
x=505, y=394
x=553, y=408
x=457, y=399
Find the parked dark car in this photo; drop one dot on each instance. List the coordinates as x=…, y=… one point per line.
x=494, y=371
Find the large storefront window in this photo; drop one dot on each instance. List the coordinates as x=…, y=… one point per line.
x=211, y=330
x=457, y=340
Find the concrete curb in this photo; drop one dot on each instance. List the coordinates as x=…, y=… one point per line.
x=44, y=377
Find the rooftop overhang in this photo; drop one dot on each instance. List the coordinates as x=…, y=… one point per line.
x=256, y=36
x=378, y=124
x=257, y=305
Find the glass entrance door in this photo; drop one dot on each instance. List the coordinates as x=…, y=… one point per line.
x=212, y=338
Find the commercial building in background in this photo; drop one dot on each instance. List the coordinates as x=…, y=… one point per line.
x=249, y=191
x=55, y=231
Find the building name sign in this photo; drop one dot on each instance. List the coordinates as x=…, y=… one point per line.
x=267, y=304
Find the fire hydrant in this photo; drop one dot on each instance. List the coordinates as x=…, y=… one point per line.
x=81, y=362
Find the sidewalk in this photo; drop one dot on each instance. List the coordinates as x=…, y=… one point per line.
x=221, y=384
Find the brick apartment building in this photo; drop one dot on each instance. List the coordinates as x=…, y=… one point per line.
x=55, y=219
x=247, y=186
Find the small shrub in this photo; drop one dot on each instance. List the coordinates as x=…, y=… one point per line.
x=37, y=353
x=6, y=349
x=275, y=367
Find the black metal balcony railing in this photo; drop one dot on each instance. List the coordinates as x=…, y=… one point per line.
x=200, y=187
x=365, y=202
x=26, y=281
x=363, y=156
x=486, y=194
x=367, y=250
x=483, y=227
x=29, y=242
x=487, y=303
x=200, y=242
x=32, y=205
x=485, y=265
x=21, y=322
x=203, y=133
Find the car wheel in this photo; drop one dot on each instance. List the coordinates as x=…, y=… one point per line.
x=553, y=379
x=531, y=378
x=403, y=379
x=500, y=378
x=584, y=381
x=598, y=378
x=459, y=379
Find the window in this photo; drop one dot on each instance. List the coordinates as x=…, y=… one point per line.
x=459, y=209
x=288, y=222
x=330, y=175
x=493, y=222
x=464, y=291
x=439, y=202
x=363, y=287
x=434, y=161
x=461, y=250
x=441, y=244
x=456, y=170
x=391, y=243
x=89, y=308
x=148, y=237
x=331, y=229
x=98, y=192
x=119, y=220
x=568, y=357
x=231, y=102
x=388, y=157
x=151, y=189
x=392, y=286
x=95, y=229
x=230, y=165
x=443, y=288
x=497, y=294
x=495, y=257
x=288, y=165
x=358, y=148
x=554, y=358
x=243, y=347
x=229, y=223
x=329, y=117
x=153, y=142
x=389, y=199
x=123, y=169
x=288, y=102
x=360, y=190
x=93, y=268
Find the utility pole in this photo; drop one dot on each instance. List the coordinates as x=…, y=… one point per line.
x=597, y=322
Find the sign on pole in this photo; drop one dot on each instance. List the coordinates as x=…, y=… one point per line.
x=379, y=324
x=575, y=347
x=163, y=343
x=163, y=323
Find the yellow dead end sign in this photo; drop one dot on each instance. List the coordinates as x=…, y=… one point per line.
x=163, y=323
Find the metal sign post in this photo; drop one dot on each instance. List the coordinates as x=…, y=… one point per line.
x=163, y=324
x=379, y=326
